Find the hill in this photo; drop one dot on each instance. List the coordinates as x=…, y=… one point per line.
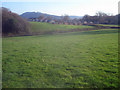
x=37, y=14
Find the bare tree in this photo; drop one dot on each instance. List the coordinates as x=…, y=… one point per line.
x=66, y=18
x=41, y=17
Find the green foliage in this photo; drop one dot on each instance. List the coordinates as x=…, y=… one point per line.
x=69, y=60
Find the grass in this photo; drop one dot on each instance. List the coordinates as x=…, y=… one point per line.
x=69, y=60
x=108, y=25
x=38, y=27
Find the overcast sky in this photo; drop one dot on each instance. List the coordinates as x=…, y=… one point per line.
x=61, y=7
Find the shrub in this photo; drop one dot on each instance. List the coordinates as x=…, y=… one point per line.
x=13, y=23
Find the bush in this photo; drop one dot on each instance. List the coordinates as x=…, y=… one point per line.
x=13, y=23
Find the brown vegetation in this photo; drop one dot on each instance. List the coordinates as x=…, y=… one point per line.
x=13, y=24
x=101, y=18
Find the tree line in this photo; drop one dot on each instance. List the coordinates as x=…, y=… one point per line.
x=99, y=18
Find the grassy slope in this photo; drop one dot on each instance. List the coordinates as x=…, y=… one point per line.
x=79, y=59
x=108, y=25
x=38, y=27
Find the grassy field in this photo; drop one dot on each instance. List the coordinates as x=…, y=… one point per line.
x=43, y=28
x=68, y=60
x=108, y=25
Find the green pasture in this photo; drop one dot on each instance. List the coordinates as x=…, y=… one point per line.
x=108, y=25
x=43, y=28
x=87, y=59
